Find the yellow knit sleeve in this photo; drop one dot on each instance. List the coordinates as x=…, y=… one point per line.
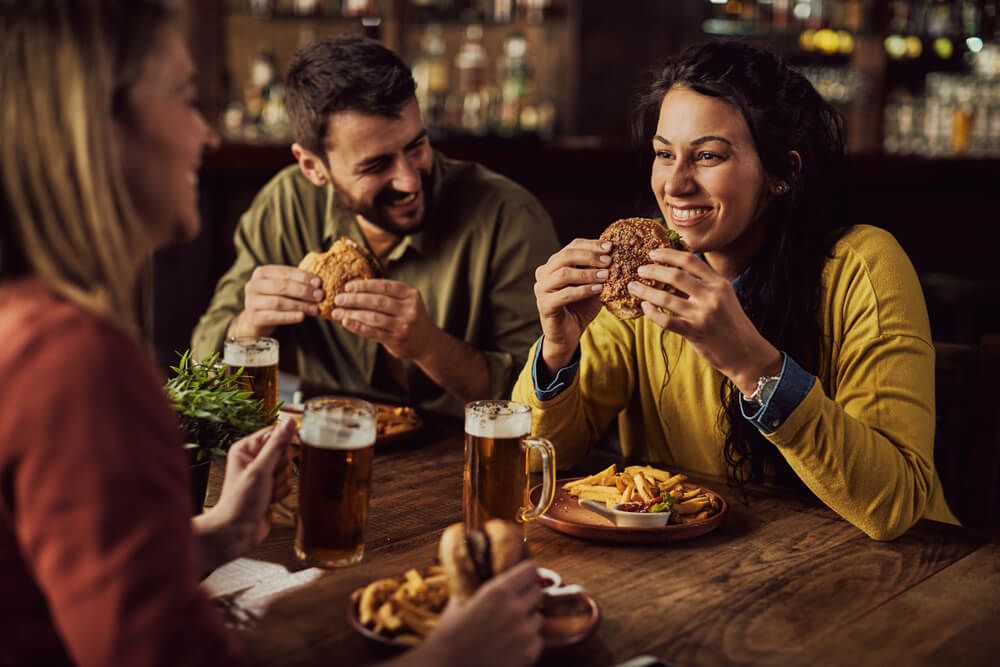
x=862, y=440
x=579, y=415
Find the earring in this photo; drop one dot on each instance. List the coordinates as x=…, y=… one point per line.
x=781, y=188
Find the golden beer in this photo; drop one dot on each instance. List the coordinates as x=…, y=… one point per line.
x=335, y=471
x=496, y=476
x=258, y=356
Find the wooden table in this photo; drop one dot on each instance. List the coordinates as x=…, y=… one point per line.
x=783, y=581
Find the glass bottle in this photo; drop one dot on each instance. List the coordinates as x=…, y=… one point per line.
x=515, y=79
x=470, y=64
x=430, y=72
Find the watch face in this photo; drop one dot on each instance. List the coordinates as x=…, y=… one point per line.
x=766, y=389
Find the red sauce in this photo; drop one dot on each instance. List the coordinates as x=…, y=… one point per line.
x=642, y=508
x=633, y=507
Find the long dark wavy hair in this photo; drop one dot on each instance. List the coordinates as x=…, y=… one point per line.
x=780, y=288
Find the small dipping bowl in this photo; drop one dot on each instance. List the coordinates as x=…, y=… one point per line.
x=624, y=519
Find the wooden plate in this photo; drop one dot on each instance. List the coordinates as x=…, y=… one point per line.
x=558, y=632
x=566, y=516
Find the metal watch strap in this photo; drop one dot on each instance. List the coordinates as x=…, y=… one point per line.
x=763, y=381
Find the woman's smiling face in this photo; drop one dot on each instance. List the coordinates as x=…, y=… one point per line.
x=708, y=178
x=161, y=140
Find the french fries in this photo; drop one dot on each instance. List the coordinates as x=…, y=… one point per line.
x=642, y=484
x=405, y=608
x=394, y=419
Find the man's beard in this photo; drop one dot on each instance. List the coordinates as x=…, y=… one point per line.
x=373, y=212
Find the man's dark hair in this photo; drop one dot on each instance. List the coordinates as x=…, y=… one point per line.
x=346, y=73
x=780, y=290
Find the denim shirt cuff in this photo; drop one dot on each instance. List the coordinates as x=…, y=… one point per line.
x=793, y=385
x=563, y=378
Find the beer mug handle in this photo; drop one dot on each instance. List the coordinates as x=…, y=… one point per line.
x=548, y=454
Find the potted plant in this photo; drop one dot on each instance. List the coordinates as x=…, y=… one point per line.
x=213, y=411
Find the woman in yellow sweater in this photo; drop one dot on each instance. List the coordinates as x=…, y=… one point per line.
x=799, y=349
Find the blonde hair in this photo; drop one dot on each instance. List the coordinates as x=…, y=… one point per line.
x=65, y=213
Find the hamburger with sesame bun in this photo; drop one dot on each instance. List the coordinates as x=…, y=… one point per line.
x=632, y=239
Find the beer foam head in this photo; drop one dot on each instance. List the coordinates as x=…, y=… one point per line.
x=498, y=419
x=251, y=352
x=337, y=424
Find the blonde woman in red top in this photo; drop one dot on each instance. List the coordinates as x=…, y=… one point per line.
x=100, y=145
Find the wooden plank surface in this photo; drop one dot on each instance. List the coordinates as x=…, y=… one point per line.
x=951, y=618
x=782, y=581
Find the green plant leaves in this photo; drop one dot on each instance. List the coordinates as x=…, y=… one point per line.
x=212, y=408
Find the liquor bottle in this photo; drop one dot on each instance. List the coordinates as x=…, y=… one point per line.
x=430, y=72
x=532, y=11
x=780, y=13
x=514, y=76
x=470, y=64
x=503, y=11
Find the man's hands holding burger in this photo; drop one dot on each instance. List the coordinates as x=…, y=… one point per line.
x=386, y=311
x=275, y=296
x=343, y=284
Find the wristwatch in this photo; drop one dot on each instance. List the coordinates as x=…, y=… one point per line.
x=765, y=387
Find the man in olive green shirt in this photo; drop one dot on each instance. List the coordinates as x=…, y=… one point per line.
x=453, y=317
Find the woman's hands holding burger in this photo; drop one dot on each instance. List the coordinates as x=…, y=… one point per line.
x=499, y=625
x=709, y=316
x=567, y=289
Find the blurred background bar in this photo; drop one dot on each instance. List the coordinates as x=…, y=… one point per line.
x=543, y=91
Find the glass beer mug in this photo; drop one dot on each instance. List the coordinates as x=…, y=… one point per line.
x=258, y=356
x=335, y=472
x=496, y=477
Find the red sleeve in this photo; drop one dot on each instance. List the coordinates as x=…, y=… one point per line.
x=101, y=503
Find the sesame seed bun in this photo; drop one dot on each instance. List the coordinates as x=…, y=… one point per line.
x=632, y=239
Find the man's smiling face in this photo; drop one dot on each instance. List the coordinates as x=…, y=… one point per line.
x=380, y=167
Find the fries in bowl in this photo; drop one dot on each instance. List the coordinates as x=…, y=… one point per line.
x=646, y=485
x=403, y=610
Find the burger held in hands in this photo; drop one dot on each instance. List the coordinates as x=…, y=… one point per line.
x=632, y=240
x=403, y=610
x=343, y=262
x=470, y=558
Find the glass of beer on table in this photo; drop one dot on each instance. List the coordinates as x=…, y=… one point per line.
x=335, y=472
x=497, y=476
x=258, y=356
